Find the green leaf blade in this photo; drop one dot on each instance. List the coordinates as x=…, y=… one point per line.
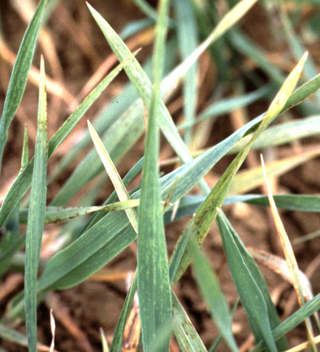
x=19, y=74
x=249, y=292
x=154, y=289
x=36, y=217
x=213, y=295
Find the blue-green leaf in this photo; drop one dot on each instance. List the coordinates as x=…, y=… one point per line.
x=36, y=217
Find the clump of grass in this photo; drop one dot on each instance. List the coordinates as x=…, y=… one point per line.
x=87, y=245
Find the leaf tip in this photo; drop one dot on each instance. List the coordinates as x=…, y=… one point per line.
x=302, y=61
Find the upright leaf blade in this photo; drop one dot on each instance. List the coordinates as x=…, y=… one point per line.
x=154, y=289
x=36, y=217
x=249, y=292
x=19, y=75
x=187, y=34
x=213, y=295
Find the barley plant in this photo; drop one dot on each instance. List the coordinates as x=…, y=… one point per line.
x=189, y=39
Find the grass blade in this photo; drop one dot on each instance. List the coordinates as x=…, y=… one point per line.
x=126, y=180
x=298, y=202
x=290, y=258
x=248, y=289
x=247, y=180
x=18, y=338
x=283, y=133
x=112, y=172
x=11, y=236
x=154, y=289
x=213, y=295
x=260, y=281
x=190, y=203
x=60, y=214
x=293, y=321
x=187, y=34
x=118, y=334
x=188, y=339
x=19, y=75
x=36, y=217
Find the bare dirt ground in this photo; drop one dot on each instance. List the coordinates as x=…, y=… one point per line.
x=81, y=311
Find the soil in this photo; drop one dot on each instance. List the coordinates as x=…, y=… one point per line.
x=80, y=312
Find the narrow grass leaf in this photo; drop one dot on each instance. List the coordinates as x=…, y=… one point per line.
x=23, y=181
x=296, y=45
x=119, y=331
x=146, y=8
x=293, y=321
x=187, y=337
x=143, y=85
x=213, y=295
x=132, y=173
x=260, y=281
x=299, y=202
x=225, y=106
x=154, y=289
x=285, y=242
x=187, y=34
x=247, y=180
x=36, y=217
x=248, y=289
x=114, y=175
x=249, y=49
x=10, y=240
x=216, y=343
x=290, y=257
x=279, y=266
x=18, y=338
x=283, y=133
x=19, y=75
x=61, y=214
x=104, y=341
